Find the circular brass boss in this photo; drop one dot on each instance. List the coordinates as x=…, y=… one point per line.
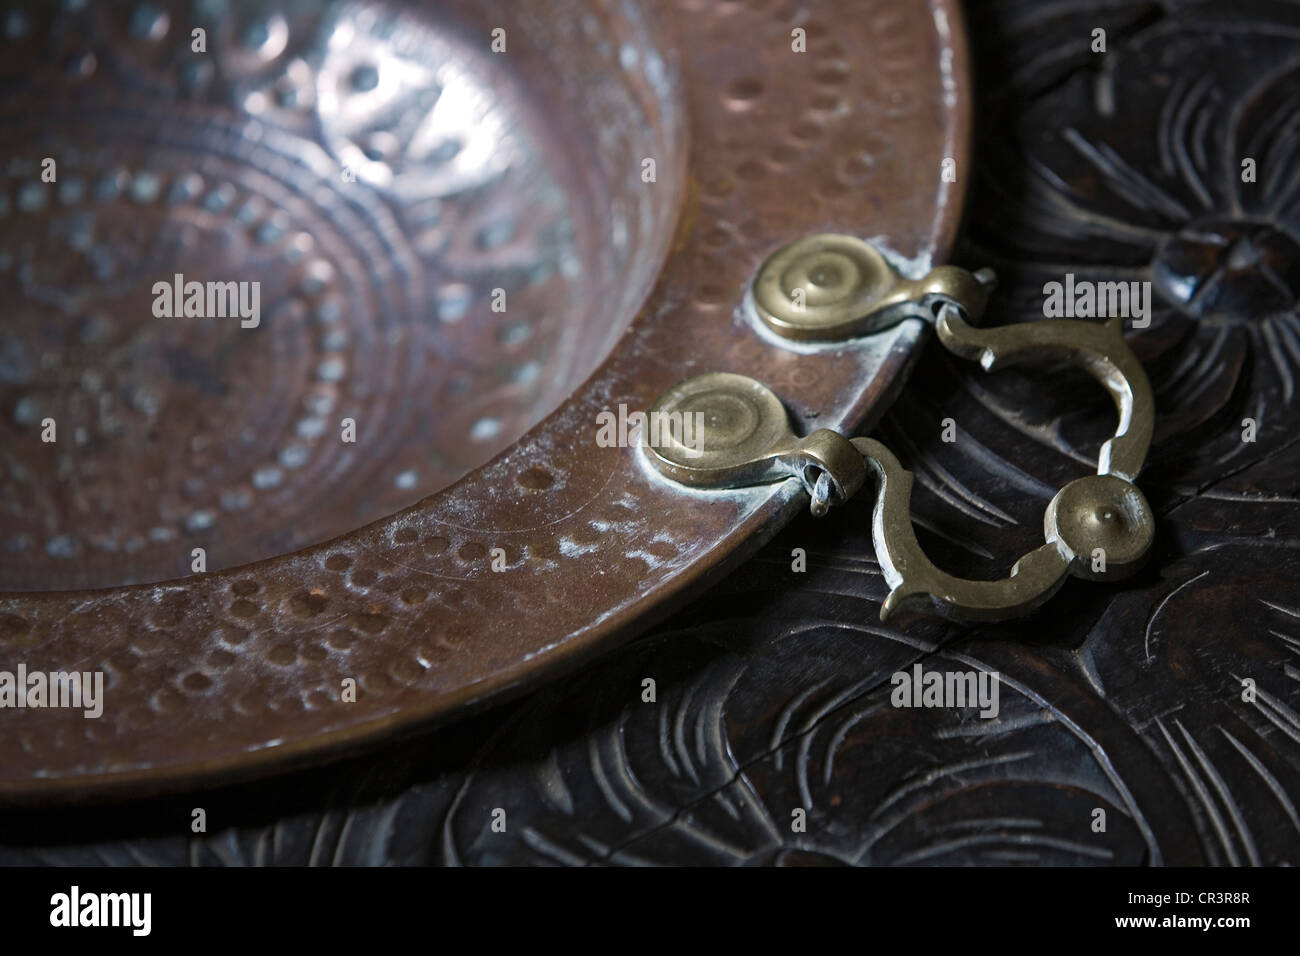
x=713, y=423
x=815, y=286
x=1101, y=513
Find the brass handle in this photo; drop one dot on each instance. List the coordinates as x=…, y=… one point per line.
x=1098, y=527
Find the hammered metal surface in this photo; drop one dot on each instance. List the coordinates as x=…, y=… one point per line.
x=384, y=176
x=233, y=671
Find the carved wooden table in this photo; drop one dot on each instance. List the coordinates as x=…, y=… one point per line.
x=1171, y=702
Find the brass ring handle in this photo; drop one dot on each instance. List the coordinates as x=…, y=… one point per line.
x=725, y=431
x=1098, y=527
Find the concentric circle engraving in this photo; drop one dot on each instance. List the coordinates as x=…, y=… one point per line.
x=819, y=282
x=729, y=419
x=718, y=420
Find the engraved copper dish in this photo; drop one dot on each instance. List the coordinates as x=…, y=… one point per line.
x=460, y=249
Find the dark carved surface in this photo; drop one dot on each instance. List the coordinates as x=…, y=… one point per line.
x=773, y=690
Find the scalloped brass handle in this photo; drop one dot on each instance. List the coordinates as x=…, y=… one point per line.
x=1098, y=526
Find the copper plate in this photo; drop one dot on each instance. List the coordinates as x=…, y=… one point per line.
x=384, y=174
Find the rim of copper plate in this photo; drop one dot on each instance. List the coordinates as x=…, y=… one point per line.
x=562, y=607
